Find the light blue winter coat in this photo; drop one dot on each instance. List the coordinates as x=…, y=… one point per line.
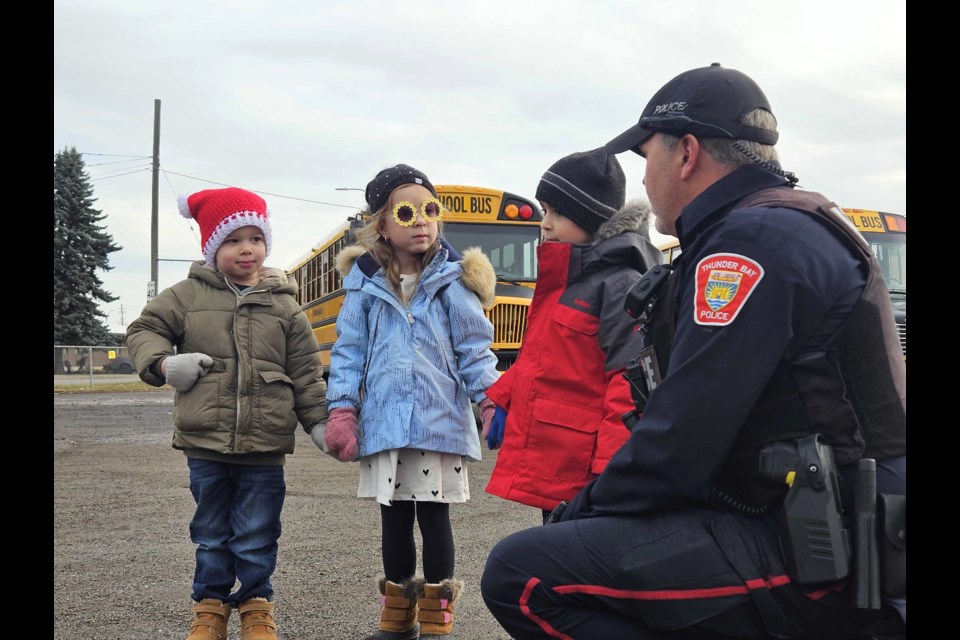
x=428, y=359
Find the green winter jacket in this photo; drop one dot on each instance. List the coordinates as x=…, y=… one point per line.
x=266, y=374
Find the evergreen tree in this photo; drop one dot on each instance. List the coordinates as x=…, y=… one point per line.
x=80, y=248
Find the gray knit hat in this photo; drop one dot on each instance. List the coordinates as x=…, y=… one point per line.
x=588, y=187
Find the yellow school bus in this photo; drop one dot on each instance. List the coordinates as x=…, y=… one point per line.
x=887, y=235
x=505, y=226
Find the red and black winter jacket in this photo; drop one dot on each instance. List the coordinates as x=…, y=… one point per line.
x=565, y=395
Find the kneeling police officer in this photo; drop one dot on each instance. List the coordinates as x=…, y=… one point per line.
x=774, y=366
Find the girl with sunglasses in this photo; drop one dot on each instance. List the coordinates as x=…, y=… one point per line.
x=413, y=348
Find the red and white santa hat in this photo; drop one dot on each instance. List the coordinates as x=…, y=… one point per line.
x=220, y=212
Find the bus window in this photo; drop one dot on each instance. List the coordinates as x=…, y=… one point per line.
x=513, y=251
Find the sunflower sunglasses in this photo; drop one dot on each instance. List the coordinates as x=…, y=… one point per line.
x=405, y=213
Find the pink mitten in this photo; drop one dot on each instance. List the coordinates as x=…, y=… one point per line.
x=486, y=415
x=341, y=435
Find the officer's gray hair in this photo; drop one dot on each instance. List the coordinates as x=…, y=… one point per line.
x=727, y=153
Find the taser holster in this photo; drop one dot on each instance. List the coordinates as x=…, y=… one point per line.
x=814, y=542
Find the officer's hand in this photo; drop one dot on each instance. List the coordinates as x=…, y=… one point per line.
x=495, y=435
x=182, y=371
x=557, y=513
x=579, y=505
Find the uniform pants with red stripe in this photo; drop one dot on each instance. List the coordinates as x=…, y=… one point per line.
x=685, y=574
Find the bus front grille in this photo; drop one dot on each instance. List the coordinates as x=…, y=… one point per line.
x=902, y=330
x=509, y=322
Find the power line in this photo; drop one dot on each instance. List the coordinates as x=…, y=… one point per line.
x=100, y=164
x=112, y=155
x=126, y=173
x=266, y=193
x=117, y=175
x=174, y=192
x=222, y=184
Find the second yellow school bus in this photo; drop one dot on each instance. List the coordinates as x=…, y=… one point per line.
x=505, y=226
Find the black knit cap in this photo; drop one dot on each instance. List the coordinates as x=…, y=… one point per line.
x=380, y=188
x=709, y=102
x=587, y=186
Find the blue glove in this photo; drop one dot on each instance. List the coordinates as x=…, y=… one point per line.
x=495, y=437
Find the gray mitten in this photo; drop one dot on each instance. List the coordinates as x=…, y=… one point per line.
x=319, y=434
x=183, y=370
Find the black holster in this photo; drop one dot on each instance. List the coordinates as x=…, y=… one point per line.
x=813, y=539
x=892, y=516
x=880, y=541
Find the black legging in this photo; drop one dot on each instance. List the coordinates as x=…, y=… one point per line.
x=399, y=548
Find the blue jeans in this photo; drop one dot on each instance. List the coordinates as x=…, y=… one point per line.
x=236, y=528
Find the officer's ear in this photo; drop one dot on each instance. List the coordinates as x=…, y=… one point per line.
x=690, y=155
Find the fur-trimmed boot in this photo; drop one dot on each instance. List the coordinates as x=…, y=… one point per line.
x=209, y=620
x=256, y=620
x=436, y=609
x=398, y=612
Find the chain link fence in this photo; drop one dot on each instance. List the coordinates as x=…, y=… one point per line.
x=70, y=362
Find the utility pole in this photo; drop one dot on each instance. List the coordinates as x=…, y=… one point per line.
x=154, y=210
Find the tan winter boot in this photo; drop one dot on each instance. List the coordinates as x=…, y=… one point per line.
x=209, y=620
x=436, y=609
x=398, y=613
x=256, y=620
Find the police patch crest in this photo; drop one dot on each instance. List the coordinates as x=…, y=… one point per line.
x=724, y=283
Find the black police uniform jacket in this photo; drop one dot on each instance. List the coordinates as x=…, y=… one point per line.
x=779, y=327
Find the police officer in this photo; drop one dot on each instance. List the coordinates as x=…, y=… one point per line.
x=774, y=326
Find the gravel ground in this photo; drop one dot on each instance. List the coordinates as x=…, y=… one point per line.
x=122, y=556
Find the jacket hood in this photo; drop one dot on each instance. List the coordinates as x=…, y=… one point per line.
x=478, y=274
x=346, y=258
x=623, y=240
x=278, y=280
x=270, y=277
x=634, y=216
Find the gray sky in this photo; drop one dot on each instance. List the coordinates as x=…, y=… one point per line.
x=295, y=98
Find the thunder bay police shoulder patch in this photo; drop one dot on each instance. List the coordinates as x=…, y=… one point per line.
x=724, y=282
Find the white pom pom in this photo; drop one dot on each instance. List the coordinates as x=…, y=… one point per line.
x=184, y=207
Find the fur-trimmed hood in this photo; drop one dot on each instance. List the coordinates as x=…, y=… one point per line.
x=623, y=240
x=346, y=258
x=478, y=274
x=634, y=216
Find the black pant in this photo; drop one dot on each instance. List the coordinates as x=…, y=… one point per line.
x=399, y=548
x=690, y=574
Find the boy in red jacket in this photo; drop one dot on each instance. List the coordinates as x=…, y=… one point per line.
x=558, y=407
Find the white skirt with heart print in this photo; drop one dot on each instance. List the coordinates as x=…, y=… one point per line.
x=413, y=474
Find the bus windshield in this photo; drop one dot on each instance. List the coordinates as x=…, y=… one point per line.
x=887, y=235
x=891, y=252
x=511, y=249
